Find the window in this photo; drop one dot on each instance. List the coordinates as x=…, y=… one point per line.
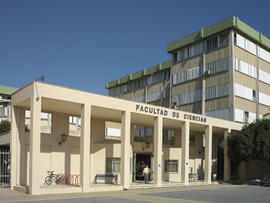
x=113, y=165
x=223, y=40
x=6, y=97
x=254, y=95
x=168, y=137
x=175, y=57
x=212, y=44
x=192, y=140
x=235, y=38
x=171, y=166
x=142, y=134
x=246, y=116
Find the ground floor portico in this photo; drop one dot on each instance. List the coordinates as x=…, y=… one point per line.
x=116, y=137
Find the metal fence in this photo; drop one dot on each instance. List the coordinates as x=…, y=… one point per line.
x=4, y=169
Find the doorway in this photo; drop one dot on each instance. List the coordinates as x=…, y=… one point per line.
x=140, y=162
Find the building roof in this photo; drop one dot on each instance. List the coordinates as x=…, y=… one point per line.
x=232, y=22
x=7, y=90
x=139, y=74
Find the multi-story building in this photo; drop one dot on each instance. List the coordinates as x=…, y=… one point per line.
x=221, y=71
x=5, y=100
x=151, y=85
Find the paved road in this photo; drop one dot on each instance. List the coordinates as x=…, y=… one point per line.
x=104, y=199
x=233, y=194
x=191, y=194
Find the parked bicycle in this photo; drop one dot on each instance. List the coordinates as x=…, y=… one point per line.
x=52, y=177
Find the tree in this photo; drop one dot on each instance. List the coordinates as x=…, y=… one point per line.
x=4, y=126
x=251, y=143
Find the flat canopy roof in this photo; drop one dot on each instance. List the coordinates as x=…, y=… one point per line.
x=65, y=100
x=7, y=90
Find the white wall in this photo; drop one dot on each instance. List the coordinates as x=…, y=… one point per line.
x=239, y=116
x=243, y=91
x=251, y=47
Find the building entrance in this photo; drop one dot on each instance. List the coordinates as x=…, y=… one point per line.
x=140, y=162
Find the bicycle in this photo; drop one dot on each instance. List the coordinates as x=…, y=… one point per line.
x=52, y=177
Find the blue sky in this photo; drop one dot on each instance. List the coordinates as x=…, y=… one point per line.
x=84, y=44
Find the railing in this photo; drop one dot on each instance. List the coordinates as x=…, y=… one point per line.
x=4, y=169
x=69, y=179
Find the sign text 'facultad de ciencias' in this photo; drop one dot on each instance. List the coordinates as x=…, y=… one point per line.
x=164, y=112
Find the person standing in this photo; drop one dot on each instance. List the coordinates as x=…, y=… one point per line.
x=146, y=174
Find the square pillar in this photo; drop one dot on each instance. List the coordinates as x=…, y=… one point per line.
x=158, y=137
x=227, y=167
x=85, y=147
x=125, y=150
x=14, y=136
x=59, y=126
x=208, y=154
x=185, y=152
x=34, y=172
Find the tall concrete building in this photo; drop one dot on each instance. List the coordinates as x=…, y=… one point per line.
x=221, y=71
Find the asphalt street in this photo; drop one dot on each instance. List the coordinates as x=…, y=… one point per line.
x=190, y=194
x=234, y=194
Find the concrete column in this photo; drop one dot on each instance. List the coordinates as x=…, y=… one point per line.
x=34, y=172
x=185, y=152
x=227, y=167
x=85, y=147
x=208, y=154
x=125, y=149
x=158, y=137
x=18, y=144
x=92, y=175
x=14, y=136
x=60, y=125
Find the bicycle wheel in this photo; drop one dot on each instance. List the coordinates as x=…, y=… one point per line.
x=48, y=180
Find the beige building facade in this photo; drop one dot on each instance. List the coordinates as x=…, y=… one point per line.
x=222, y=71
x=116, y=136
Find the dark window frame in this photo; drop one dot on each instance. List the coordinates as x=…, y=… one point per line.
x=113, y=161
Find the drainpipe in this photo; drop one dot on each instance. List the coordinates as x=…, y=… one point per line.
x=257, y=84
x=231, y=72
x=203, y=85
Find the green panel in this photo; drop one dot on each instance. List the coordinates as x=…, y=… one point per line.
x=124, y=79
x=137, y=75
x=265, y=41
x=184, y=41
x=243, y=27
x=152, y=69
x=7, y=90
x=165, y=65
x=218, y=27
x=111, y=84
